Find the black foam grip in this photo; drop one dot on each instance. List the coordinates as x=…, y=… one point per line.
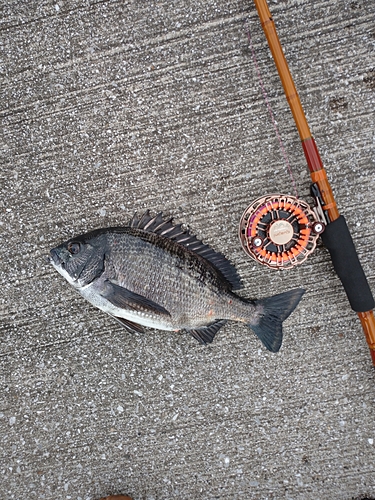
x=338, y=240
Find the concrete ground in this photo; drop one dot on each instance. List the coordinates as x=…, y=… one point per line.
x=113, y=106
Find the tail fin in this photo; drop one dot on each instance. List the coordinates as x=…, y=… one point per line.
x=272, y=312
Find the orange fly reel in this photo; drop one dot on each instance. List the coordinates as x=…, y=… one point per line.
x=279, y=231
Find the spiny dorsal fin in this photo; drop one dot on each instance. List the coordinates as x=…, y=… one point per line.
x=166, y=228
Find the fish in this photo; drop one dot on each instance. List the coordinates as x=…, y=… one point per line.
x=156, y=274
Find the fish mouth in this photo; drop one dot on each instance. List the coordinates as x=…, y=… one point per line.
x=54, y=258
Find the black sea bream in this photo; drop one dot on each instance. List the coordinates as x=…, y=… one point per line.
x=158, y=275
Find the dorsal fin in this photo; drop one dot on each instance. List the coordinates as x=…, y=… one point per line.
x=166, y=228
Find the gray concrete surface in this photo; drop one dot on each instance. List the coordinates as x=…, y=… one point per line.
x=111, y=107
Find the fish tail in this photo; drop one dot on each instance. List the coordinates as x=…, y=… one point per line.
x=270, y=314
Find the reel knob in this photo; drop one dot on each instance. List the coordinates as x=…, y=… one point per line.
x=318, y=227
x=257, y=242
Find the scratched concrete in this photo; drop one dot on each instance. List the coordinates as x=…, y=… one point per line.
x=110, y=107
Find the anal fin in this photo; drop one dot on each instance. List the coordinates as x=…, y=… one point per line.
x=206, y=334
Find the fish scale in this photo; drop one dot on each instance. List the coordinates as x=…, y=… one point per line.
x=156, y=274
x=163, y=270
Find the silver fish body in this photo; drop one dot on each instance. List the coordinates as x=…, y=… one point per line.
x=154, y=274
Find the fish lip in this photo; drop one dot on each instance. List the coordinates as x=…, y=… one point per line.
x=54, y=258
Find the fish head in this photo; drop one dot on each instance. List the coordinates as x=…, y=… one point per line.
x=80, y=260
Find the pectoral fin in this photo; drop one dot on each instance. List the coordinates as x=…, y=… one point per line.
x=126, y=299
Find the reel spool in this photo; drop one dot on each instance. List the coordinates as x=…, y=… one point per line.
x=279, y=231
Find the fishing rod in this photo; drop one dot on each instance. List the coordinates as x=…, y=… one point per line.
x=280, y=231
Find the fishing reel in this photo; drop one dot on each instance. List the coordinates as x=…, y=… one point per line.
x=280, y=231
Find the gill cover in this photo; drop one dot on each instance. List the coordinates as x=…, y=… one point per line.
x=84, y=260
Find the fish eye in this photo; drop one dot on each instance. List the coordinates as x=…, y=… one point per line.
x=74, y=247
